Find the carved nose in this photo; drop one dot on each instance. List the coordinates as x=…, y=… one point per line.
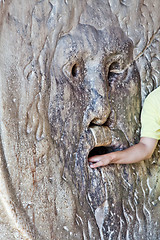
x=102, y=110
x=99, y=104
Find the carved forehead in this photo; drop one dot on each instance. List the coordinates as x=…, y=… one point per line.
x=115, y=40
x=88, y=41
x=84, y=39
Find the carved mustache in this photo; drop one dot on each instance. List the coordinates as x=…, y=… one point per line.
x=102, y=135
x=107, y=140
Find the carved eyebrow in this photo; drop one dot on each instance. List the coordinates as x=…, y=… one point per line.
x=121, y=70
x=124, y=58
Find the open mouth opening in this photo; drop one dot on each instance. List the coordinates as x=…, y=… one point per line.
x=107, y=141
x=102, y=150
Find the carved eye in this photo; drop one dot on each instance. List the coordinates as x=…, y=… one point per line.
x=75, y=70
x=114, y=71
x=114, y=67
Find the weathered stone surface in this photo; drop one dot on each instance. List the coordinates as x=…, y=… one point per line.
x=73, y=78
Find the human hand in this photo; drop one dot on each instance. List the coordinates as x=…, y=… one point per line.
x=141, y=151
x=101, y=160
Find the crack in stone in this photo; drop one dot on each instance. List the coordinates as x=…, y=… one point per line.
x=147, y=46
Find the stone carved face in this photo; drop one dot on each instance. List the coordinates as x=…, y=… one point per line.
x=94, y=86
x=94, y=101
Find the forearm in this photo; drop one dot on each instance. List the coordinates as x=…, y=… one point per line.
x=141, y=151
x=133, y=154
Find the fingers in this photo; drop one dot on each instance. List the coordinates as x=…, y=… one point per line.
x=94, y=159
x=98, y=164
x=99, y=160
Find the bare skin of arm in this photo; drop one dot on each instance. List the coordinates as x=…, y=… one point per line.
x=141, y=151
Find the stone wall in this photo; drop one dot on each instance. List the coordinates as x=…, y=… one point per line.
x=73, y=78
